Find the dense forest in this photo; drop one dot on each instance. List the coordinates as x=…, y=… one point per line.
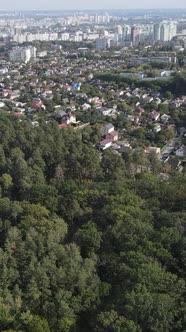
x=86, y=243
x=175, y=84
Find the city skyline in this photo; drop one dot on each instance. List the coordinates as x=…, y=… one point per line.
x=83, y=5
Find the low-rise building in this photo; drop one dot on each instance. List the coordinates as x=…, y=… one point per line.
x=181, y=152
x=152, y=149
x=113, y=136
x=108, y=128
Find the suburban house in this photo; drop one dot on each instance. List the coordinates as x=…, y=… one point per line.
x=152, y=149
x=86, y=107
x=2, y=104
x=65, y=117
x=113, y=136
x=15, y=94
x=181, y=152
x=106, y=111
x=62, y=125
x=69, y=118
x=157, y=128
x=37, y=104
x=154, y=116
x=108, y=128
x=105, y=144
x=165, y=118
x=110, y=136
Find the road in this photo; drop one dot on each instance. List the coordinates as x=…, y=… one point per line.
x=169, y=148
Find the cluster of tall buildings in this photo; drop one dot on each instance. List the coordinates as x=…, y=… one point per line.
x=30, y=37
x=104, y=33
x=101, y=19
x=165, y=31
x=133, y=35
x=22, y=54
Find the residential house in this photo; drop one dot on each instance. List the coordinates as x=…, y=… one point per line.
x=64, y=117
x=148, y=99
x=105, y=144
x=154, y=116
x=139, y=111
x=152, y=149
x=62, y=125
x=157, y=128
x=69, y=118
x=15, y=94
x=165, y=118
x=108, y=128
x=86, y=107
x=113, y=136
x=157, y=101
x=130, y=117
x=60, y=113
x=104, y=111
x=37, y=104
x=175, y=104
x=5, y=93
x=181, y=152
x=2, y=104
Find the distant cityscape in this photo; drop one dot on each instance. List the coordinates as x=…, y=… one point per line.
x=79, y=68
x=104, y=30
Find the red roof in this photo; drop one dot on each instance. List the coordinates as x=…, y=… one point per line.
x=18, y=114
x=62, y=125
x=105, y=141
x=113, y=133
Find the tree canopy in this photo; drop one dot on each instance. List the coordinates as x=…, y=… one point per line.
x=86, y=244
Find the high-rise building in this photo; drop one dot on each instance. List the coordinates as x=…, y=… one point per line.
x=102, y=43
x=127, y=33
x=19, y=38
x=18, y=30
x=157, y=32
x=119, y=30
x=65, y=36
x=165, y=31
x=172, y=30
x=135, y=35
x=22, y=54
x=33, y=51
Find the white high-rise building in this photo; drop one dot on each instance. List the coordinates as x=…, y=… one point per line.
x=19, y=38
x=119, y=30
x=65, y=36
x=77, y=38
x=165, y=31
x=22, y=54
x=33, y=51
x=172, y=30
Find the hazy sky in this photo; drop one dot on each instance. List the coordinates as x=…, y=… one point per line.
x=88, y=4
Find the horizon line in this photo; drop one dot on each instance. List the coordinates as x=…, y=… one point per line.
x=90, y=9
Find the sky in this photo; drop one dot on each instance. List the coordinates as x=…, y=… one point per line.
x=88, y=4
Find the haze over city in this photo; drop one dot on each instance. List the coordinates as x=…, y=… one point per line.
x=84, y=4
